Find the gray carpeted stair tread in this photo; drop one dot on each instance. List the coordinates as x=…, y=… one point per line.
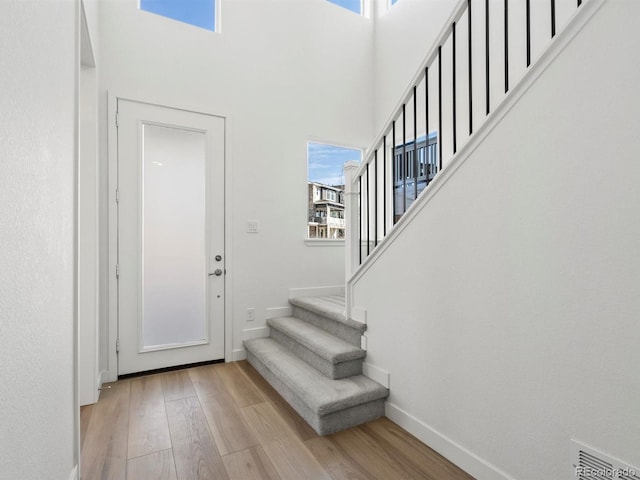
x=319, y=341
x=320, y=394
x=332, y=307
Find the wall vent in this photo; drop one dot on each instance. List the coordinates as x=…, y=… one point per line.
x=591, y=464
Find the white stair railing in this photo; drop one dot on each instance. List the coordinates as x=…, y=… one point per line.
x=483, y=52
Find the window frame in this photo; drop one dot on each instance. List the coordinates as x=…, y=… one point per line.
x=339, y=196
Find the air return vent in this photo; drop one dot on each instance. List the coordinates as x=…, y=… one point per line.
x=590, y=464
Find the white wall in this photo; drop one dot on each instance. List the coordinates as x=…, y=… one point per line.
x=404, y=34
x=88, y=239
x=92, y=15
x=88, y=219
x=37, y=188
x=507, y=311
x=283, y=71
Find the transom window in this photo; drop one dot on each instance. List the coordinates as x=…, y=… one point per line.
x=353, y=5
x=199, y=13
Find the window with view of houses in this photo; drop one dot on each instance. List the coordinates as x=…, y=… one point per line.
x=326, y=189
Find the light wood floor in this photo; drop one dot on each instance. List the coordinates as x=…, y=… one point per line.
x=225, y=421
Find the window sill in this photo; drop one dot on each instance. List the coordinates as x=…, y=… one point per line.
x=323, y=242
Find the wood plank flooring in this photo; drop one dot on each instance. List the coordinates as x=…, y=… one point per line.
x=224, y=421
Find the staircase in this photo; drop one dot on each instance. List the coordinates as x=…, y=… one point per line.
x=314, y=360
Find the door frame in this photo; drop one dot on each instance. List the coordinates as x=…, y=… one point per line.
x=112, y=370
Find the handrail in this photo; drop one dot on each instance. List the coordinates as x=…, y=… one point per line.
x=404, y=158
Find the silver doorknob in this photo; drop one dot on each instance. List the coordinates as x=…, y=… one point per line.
x=217, y=272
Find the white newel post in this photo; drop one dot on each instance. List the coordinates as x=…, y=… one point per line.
x=352, y=222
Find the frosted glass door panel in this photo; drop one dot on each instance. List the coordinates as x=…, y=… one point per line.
x=173, y=237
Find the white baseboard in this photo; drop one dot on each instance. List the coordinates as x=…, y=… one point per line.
x=74, y=473
x=249, y=334
x=276, y=312
x=316, y=291
x=359, y=314
x=252, y=333
x=109, y=376
x=376, y=374
x=102, y=376
x=238, y=354
x=455, y=453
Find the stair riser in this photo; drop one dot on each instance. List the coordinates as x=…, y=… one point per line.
x=327, y=424
x=328, y=369
x=338, y=329
x=350, y=417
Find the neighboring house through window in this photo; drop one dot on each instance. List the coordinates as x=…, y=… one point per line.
x=412, y=175
x=326, y=189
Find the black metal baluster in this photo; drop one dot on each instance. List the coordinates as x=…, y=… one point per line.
x=440, y=106
x=415, y=142
x=394, y=172
x=506, y=46
x=404, y=159
x=528, y=32
x=368, y=210
x=375, y=198
x=453, y=32
x=486, y=43
x=470, y=71
x=384, y=186
x=360, y=218
x=426, y=114
x=553, y=18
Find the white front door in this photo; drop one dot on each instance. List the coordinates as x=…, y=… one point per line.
x=170, y=237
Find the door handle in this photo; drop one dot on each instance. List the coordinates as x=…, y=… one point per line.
x=217, y=272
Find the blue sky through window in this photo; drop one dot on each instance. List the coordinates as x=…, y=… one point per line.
x=353, y=5
x=201, y=13
x=326, y=162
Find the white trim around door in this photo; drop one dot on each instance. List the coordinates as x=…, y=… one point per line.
x=113, y=233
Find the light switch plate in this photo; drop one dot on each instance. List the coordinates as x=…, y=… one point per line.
x=252, y=226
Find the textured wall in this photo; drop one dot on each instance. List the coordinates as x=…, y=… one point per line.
x=37, y=81
x=507, y=311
